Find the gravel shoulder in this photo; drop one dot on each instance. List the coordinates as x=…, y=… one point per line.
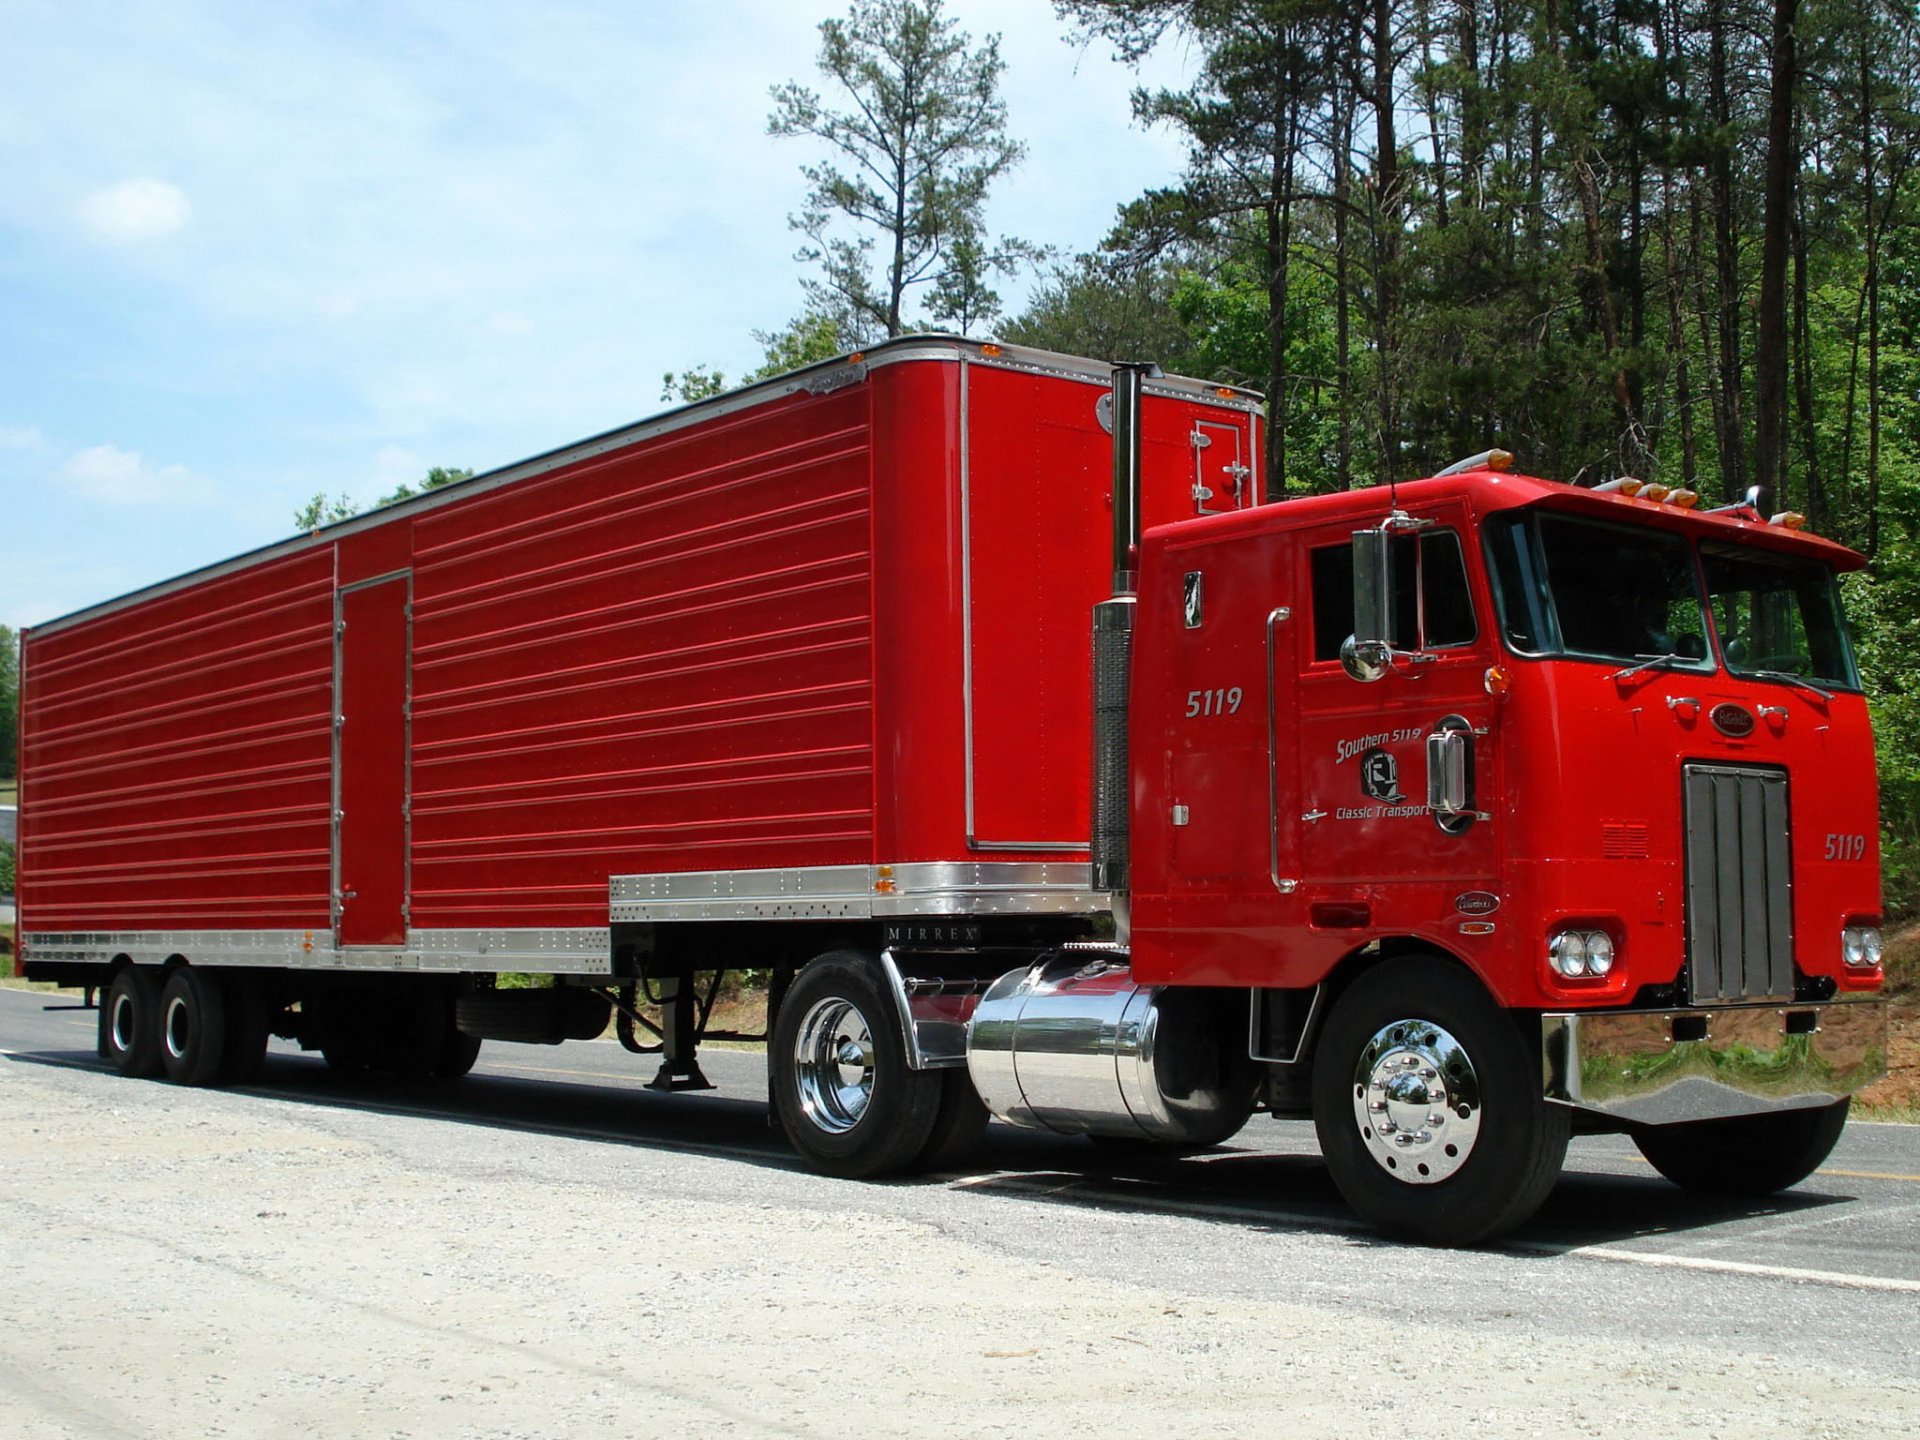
x=182, y=1263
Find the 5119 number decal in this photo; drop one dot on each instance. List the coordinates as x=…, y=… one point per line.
x=1214, y=702
x=1846, y=847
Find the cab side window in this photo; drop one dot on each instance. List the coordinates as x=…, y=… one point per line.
x=1432, y=606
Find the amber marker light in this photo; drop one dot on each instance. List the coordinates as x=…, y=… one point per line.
x=1655, y=491
x=1499, y=460
x=1624, y=485
x=989, y=350
x=1497, y=681
x=1789, y=520
x=883, y=882
x=1685, y=499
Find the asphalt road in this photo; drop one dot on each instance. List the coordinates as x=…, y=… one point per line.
x=1824, y=1277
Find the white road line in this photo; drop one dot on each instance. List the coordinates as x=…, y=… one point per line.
x=1885, y=1283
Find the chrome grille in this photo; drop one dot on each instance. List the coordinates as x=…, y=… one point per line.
x=1739, y=885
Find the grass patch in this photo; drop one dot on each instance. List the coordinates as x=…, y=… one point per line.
x=9, y=792
x=1885, y=1114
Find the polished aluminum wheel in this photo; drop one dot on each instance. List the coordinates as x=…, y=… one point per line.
x=176, y=1026
x=1417, y=1100
x=833, y=1065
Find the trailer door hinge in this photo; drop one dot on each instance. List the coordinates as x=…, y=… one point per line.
x=1313, y=815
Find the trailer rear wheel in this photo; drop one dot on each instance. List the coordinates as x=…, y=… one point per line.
x=133, y=1022
x=1747, y=1155
x=1428, y=1107
x=193, y=1027
x=842, y=1087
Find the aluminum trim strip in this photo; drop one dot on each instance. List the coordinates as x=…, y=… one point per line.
x=1628, y=1064
x=808, y=379
x=584, y=951
x=850, y=892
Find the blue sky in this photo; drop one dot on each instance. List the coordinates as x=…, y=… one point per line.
x=250, y=251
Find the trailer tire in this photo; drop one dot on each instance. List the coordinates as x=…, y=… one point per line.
x=1744, y=1155
x=456, y=1056
x=249, y=1024
x=193, y=1027
x=1466, y=1147
x=842, y=1088
x=133, y=1022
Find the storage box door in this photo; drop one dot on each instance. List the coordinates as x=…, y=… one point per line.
x=372, y=646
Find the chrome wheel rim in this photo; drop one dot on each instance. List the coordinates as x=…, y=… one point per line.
x=177, y=1027
x=1417, y=1100
x=122, y=1024
x=833, y=1065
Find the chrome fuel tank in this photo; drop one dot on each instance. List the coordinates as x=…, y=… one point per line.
x=1072, y=1045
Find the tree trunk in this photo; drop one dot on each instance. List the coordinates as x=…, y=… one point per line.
x=1770, y=349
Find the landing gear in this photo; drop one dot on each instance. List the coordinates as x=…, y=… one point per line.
x=1428, y=1107
x=842, y=1088
x=1747, y=1155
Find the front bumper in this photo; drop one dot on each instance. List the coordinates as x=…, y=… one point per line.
x=1660, y=1067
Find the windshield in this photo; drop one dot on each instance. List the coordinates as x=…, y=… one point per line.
x=1609, y=592
x=1776, y=615
x=1587, y=589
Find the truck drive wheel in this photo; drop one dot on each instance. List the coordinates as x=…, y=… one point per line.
x=133, y=1022
x=1748, y=1155
x=841, y=1084
x=193, y=1027
x=1428, y=1107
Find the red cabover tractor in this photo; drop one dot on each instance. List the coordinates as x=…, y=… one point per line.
x=1519, y=809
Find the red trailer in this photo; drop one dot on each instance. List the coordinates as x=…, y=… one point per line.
x=1454, y=816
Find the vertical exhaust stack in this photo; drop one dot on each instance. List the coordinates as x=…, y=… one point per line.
x=1113, y=653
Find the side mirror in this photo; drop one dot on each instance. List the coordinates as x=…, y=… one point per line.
x=1367, y=654
x=1372, y=588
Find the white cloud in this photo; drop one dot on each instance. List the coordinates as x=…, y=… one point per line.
x=135, y=211
x=123, y=477
x=21, y=437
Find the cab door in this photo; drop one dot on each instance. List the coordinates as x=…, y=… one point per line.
x=1371, y=851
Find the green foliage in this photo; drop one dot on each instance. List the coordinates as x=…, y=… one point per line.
x=9, y=703
x=6, y=867
x=911, y=160
x=321, y=511
x=693, y=384
x=438, y=476
x=811, y=338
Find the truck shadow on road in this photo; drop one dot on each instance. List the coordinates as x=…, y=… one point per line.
x=1251, y=1187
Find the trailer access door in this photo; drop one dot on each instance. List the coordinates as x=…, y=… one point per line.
x=372, y=649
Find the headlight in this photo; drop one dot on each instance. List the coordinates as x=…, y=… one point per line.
x=1860, y=946
x=1576, y=954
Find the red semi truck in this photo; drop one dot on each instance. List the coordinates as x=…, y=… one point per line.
x=1459, y=815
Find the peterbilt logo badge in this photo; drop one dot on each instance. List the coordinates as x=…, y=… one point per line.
x=1380, y=777
x=1476, y=902
x=1732, y=720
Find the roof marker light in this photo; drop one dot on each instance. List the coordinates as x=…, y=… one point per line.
x=1624, y=485
x=989, y=349
x=1655, y=491
x=1685, y=499
x=1789, y=520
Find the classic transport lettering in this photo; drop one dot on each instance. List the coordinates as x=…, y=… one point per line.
x=1347, y=749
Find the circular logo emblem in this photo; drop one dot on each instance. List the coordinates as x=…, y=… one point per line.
x=1476, y=902
x=1733, y=720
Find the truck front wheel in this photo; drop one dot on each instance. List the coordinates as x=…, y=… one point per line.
x=1747, y=1155
x=1428, y=1106
x=841, y=1084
